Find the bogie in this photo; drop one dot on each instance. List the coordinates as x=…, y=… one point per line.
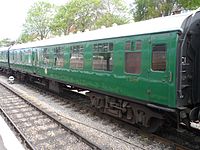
x=127, y=111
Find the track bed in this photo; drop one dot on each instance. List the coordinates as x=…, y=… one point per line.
x=39, y=130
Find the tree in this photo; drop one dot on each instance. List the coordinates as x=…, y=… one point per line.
x=25, y=37
x=86, y=14
x=116, y=7
x=189, y=4
x=38, y=20
x=113, y=11
x=147, y=9
x=77, y=15
x=6, y=42
x=109, y=19
x=62, y=21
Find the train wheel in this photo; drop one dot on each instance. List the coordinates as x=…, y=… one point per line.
x=154, y=125
x=193, y=115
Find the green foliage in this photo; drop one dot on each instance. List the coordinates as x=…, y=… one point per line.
x=86, y=13
x=78, y=15
x=116, y=7
x=108, y=20
x=113, y=11
x=189, y=4
x=39, y=20
x=141, y=9
x=24, y=38
x=62, y=21
x=6, y=42
x=147, y=9
x=44, y=19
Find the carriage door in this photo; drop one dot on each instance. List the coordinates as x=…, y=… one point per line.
x=159, y=74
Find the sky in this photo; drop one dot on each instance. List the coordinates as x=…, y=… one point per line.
x=13, y=14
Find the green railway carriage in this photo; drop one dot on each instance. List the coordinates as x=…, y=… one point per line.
x=20, y=58
x=110, y=70
x=4, y=58
x=140, y=72
x=89, y=63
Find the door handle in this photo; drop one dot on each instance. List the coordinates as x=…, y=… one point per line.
x=169, y=77
x=148, y=91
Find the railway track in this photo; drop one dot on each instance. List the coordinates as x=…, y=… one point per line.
x=81, y=106
x=37, y=129
x=179, y=141
x=177, y=144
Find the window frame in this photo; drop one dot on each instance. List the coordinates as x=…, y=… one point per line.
x=61, y=49
x=80, y=51
x=133, y=49
x=96, y=50
x=46, y=52
x=154, y=45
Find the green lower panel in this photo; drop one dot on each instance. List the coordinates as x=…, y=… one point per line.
x=127, y=86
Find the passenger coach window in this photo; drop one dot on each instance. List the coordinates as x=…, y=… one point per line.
x=133, y=57
x=1, y=56
x=129, y=45
x=46, y=56
x=102, y=56
x=138, y=45
x=159, y=57
x=27, y=54
x=59, y=56
x=76, y=56
x=20, y=55
x=18, y=61
x=13, y=56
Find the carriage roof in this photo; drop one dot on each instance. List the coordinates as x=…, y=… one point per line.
x=3, y=48
x=156, y=25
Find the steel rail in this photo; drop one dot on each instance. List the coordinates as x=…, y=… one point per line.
x=75, y=133
x=154, y=136
x=22, y=136
x=175, y=145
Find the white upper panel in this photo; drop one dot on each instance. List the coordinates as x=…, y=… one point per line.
x=161, y=24
x=3, y=48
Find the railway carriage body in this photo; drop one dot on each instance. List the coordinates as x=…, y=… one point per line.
x=138, y=72
x=20, y=59
x=4, y=58
x=113, y=66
